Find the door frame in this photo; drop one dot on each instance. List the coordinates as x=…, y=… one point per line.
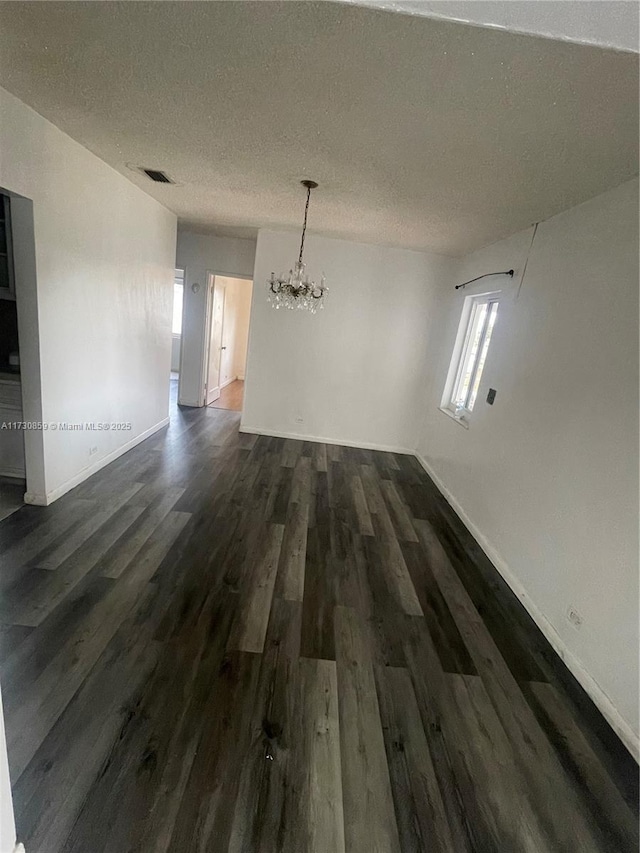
x=29, y=337
x=184, y=304
x=206, y=321
x=211, y=288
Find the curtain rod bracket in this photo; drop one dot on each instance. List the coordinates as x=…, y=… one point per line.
x=486, y=275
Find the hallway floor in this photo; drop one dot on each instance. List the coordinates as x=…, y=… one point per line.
x=226, y=642
x=11, y=495
x=231, y=397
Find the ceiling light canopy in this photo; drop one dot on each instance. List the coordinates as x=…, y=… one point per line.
x=297, y=290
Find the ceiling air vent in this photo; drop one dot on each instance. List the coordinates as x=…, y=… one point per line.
x=157, y=176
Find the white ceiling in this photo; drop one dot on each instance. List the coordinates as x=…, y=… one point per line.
x=422, y=133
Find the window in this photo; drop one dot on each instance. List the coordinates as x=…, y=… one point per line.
x=178, y=294
x=474, y=336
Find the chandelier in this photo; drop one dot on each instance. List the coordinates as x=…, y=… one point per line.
x=296, y=290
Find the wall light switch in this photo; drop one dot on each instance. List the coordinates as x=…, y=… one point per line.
x=491, y=396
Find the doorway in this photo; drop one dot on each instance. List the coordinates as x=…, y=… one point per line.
x=229, y=310
x=12, y=441
x=176, y=333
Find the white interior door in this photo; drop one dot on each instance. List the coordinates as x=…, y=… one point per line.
x=228, y=338
x=215, y=342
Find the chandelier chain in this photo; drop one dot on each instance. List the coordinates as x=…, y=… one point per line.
x=304, y=227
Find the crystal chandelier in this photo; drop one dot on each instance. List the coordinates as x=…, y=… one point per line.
x=297, y=290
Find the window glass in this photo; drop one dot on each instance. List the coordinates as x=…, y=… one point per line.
x=178, y=293
x=479, y=318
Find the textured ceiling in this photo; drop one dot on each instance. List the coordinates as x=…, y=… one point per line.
x=422, y=133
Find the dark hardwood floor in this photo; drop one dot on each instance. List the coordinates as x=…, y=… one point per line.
x=226, y=642
x=11, y=495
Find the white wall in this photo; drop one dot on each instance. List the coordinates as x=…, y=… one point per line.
x=199, y=254
x=99, y=291
x=602, y=22
x=351, y=373
x=547, y=477
x=244, y=291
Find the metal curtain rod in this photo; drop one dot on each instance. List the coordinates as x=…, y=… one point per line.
x=486, y=275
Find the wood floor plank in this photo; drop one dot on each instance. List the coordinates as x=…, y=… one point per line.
x=439, y=712
x=334, y=452
x=16, y=530
x=420, y=812
x=383, y=610
x=318, y=639
x=250, y=628
x=347, y=581
x=452, y=651
x=39, y=704
x=373, y=493
x=291, y=452
x=293, y=554
x=51, y=587
x=51, y=559
x=205, y=817
x=265, y=806
x=319, y=754
x=544, y=773
x=51, y=792
x=11, y=638
x=144, y=564
x=129, y=787
x=280, y=495
x=369, y=816
x=320, y=456
x=301, y=481
x=620, y=829
x=504, y=798
x=319, y=502
x=31, y=656
x=365, y=525
x=399, y=513
x=39, y=538
x=397, y=575
x=118, y=558
x=202, y=653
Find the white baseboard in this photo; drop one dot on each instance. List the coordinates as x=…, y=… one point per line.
x=228, y=382
x=81, y=476
x=573, y=664
x=345, y=442
x=241, y=377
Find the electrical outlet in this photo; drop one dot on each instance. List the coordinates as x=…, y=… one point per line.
x=92, y=451
x=574, y=617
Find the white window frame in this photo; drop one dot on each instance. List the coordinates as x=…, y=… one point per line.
x=461, y=354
